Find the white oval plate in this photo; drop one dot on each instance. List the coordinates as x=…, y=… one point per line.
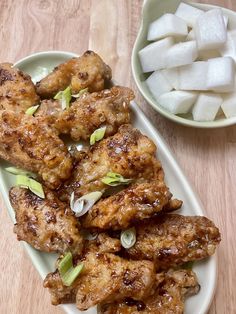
x=175, y=179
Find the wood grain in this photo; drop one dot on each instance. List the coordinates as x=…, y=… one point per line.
x=207, y=156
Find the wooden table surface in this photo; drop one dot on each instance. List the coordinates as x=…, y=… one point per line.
x=207, y=156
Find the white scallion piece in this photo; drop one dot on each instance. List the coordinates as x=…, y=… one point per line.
x=97, y=135
x=83, y=204
x=128, y=238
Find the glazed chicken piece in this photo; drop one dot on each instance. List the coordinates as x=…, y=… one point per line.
x=168, y=298
x=128, y=152
x=46, y=224
x=109, y=108
x=88, y=71
x=30, y=143
x=137, y=202
x=170, y=240
x=17, y=91
x=105, y=278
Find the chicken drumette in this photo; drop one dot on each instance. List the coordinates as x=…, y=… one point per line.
x=88, y=71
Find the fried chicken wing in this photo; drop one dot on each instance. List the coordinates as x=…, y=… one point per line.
x=128, y=152
x=109, y=108
x=88, y=71
x=168, y=298
x=17, y=91
x=171, y=240
x=46, y=224
x=30, y=143
x=137, y=202
x=105, y=277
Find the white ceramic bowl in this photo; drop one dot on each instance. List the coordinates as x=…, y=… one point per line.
x=152, y=9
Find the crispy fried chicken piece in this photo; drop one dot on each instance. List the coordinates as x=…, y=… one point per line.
x=109, y=108
x=172, y=289
x=17, y=91
x=46, y=224
x=128, y=152
x=105, y=277
x=137, y=202
x=88, y=71
x=30, y=143
x=171, y=240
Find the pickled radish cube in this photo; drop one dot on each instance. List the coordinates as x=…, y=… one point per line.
x=193, y=76
x=158, y=84
x=205, y=55
x=188, y=13
x=229, y=105
x=177, y=102
x=181, y=54
x=191, y=35
x=167, y=25
x=221, y=74
x=206, y=107
x=153, y=56
x=229, y=49
x=210, y=30
x=172, y=75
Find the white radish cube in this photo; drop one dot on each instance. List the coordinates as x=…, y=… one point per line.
x=193, y=76
x=188, y=13
x=221, y=74
x=191, y=35
x=229, y=49
x=181, y=54
x=229, y=105
x=153, y=56
x=177, y=102
x=206, y=107
x=205, y=55
x=167, y=25
x=210, y=30
x=172, y=75
x=158, y=84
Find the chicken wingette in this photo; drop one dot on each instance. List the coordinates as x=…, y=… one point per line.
x=32, y=144
x=46, y=224
x=88, y=71
x=170, y=240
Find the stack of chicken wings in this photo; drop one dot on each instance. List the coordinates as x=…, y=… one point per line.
x=151, y=275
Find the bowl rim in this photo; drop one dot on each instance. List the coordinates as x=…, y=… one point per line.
x=226, y=122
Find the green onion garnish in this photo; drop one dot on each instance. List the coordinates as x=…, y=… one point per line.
x=80, y=93
x=128, y=238
x=16, y=171
x=31, y=110
x=34, y=186
x=188, y=265
x=83, y=204
x=64, y=97
x=114, y=179
x=97, y=135
x=67, y=271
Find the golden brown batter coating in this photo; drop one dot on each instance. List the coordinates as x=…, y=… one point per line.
x=137, y=202
x=46, y=224
x=128, y=152
x=30, y=143
x=105, y=277
x=109, y=108
x=171, y=240
x=17, y=91
x=88, y=71
x=168, y=298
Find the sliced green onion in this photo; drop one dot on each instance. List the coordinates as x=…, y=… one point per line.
x=90, y=236
x=14, y=170
x=128, y=238
x=97, y=135
x=31, y=110
x=64, y=97
x=80, y=93
x=34, y=186
x=67, y=271
x=83, y=204
x=188, y=265
x=114, y=179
